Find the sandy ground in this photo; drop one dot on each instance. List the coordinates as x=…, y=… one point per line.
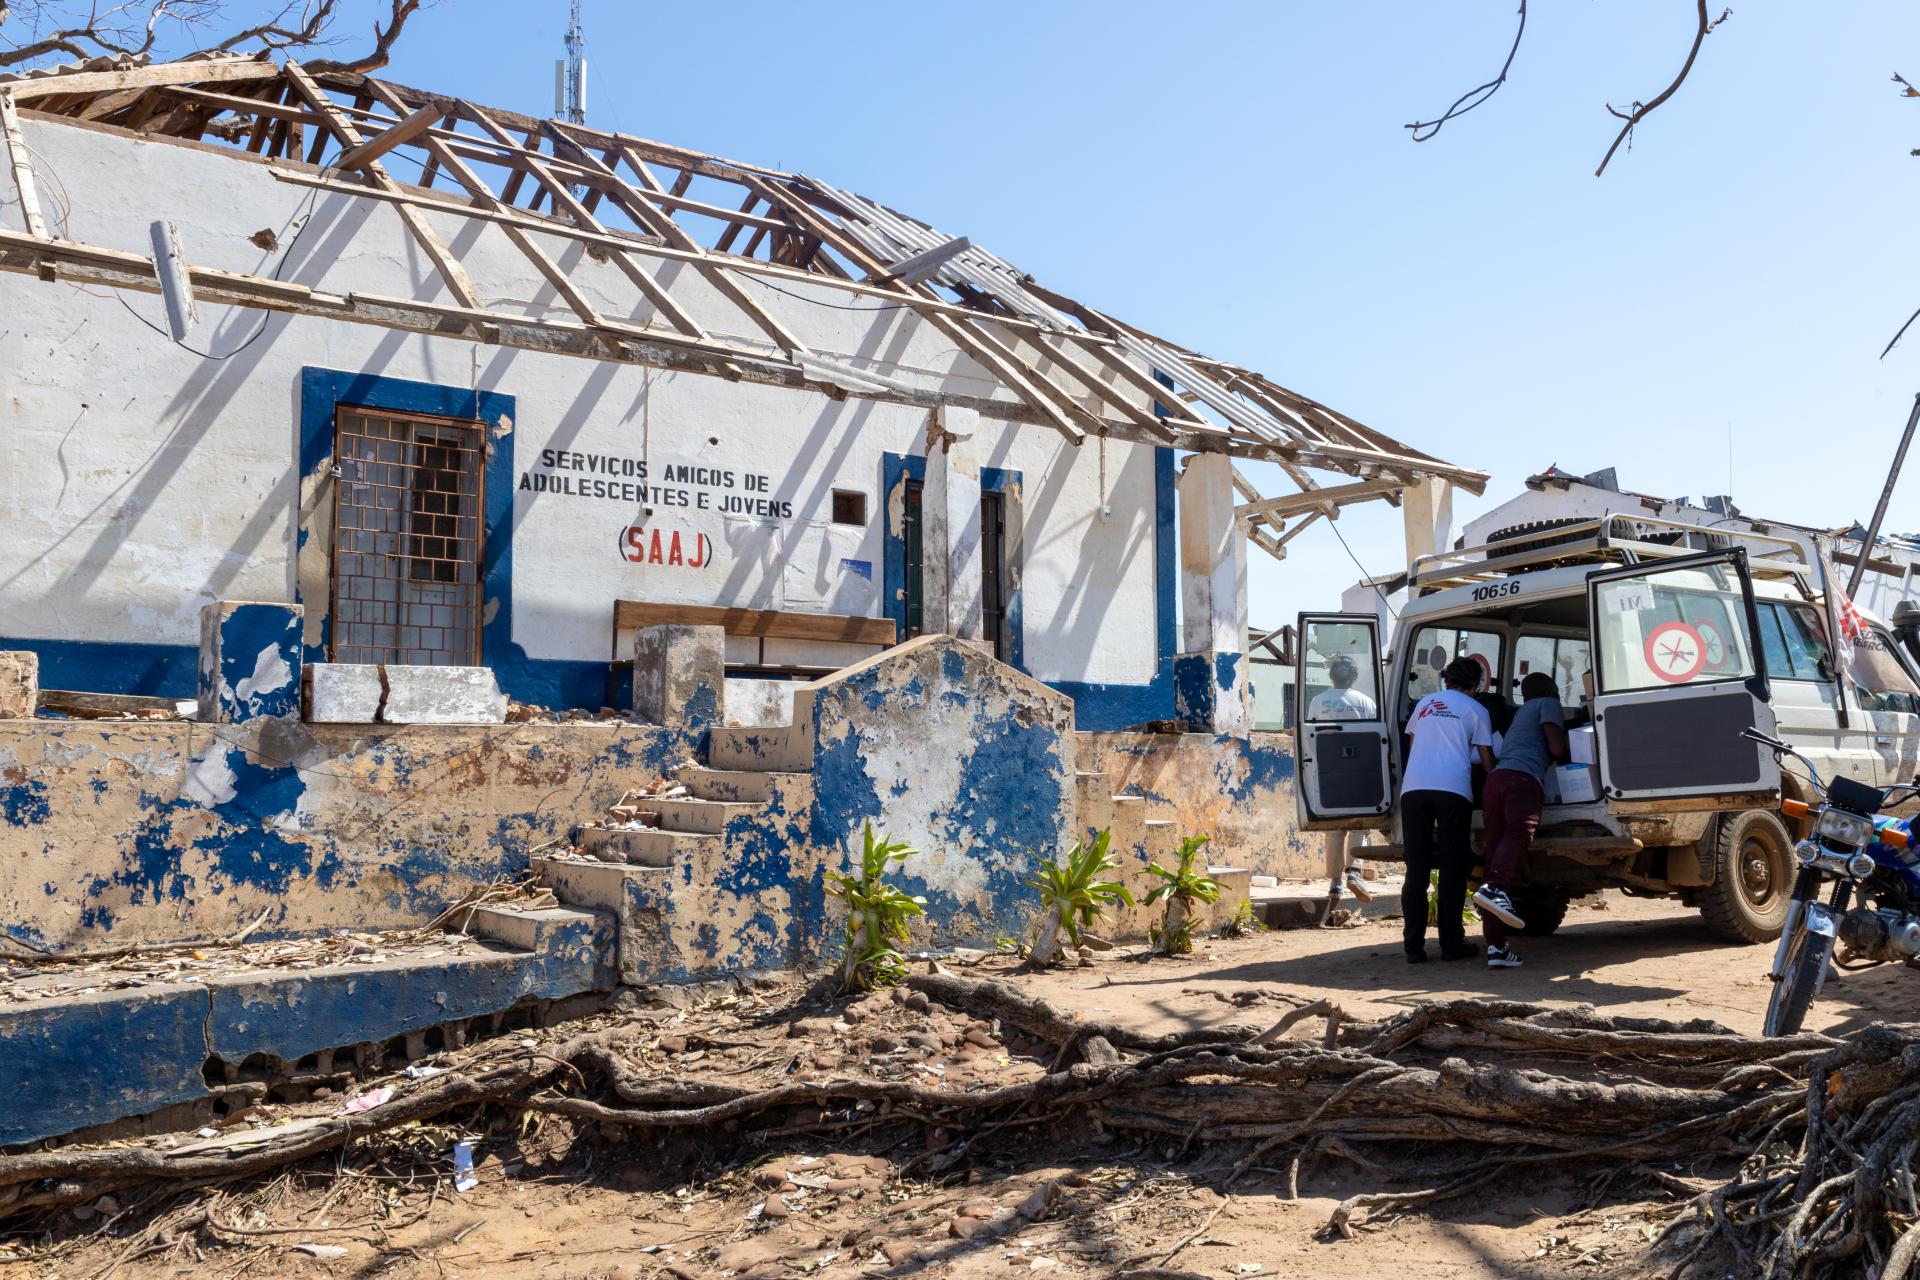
x=552, y=1204
x=1635, y=956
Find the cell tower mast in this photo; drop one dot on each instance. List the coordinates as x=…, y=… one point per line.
x=570, y=73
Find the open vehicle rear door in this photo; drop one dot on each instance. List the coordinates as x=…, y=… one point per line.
x=1345, y=774
x=1677, y=676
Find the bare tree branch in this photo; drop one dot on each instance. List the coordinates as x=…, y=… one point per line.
x=1424, y=129
x=1641, y=110
x=382, y=42
x=134, y=28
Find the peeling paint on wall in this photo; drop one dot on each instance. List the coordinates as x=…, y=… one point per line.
x=1238, y=790
x=169, y=830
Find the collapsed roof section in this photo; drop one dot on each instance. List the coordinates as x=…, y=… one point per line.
x=645, y=206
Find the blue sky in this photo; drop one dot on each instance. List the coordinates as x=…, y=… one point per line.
x=1235, y=176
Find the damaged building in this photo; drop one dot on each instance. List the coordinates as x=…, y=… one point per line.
x=391, y=485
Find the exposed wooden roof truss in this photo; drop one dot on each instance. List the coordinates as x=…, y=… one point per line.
x=749, y=232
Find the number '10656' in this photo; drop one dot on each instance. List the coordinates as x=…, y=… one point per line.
x=1494, y=590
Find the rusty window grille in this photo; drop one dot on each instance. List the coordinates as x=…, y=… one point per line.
x=408, y=497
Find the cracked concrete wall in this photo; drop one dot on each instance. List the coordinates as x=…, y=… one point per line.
x=116, y=833
x=127, y=504
x=962, y=757
x=1239, y=790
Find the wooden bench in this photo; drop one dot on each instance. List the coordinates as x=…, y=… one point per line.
x=760, y=624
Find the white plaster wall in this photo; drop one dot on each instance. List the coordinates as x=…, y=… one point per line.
x=139, y=481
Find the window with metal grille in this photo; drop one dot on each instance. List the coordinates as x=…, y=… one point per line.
x=406, y=539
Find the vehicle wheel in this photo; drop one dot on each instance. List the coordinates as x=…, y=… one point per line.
x=1542, y=909
x=1793, y=994
x=1530, y=535
x=1752, y=879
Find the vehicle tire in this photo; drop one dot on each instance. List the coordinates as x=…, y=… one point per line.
x=1793, y=994
x=1752, y=878
x=1542, y=909
x=1535, y=534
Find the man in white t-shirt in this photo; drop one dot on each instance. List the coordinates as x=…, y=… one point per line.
x=1447, y=730
x=1343, y=702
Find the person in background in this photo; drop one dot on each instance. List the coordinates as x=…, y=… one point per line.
x=1447, y=732
x=1424, y=679
x=1515, y=796
x=1343, y=702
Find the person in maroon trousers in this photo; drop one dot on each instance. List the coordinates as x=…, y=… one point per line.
x=1511, y=807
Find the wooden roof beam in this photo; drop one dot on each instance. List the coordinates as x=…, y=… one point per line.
x=452, y=274
x=1318, y=499
x=406, y=131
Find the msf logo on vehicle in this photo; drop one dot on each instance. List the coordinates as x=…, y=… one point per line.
x=641, y=545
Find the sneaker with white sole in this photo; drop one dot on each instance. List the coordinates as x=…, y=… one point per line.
x=1497, y=904
x=1502, y=958
x=1358, y=887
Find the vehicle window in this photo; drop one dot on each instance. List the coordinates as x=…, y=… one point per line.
x=1879, y=679
x=1564, y=658
x=1435, y=647
x=1672, y=627
x=1793, y=642
x=1339, y=672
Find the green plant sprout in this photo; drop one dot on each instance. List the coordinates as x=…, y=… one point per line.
x=877, y=914
x=1073, y=894
x=1182, y=887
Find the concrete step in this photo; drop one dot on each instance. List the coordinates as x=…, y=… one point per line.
x=737, y=786
x=1159, y=840
x=80, y=1058
x=605, y=885
x=1298, y=904
x=1127, y=821
x=759, y=750
x=1235, y=883
x=540, y=929
x=633, y=846
x=1092, y=795
x=704, y=817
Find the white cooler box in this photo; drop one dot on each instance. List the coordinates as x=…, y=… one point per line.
x=1572, y=784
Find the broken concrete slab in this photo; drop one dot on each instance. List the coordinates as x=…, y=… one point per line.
x=635, y=846
x=344, y=693
x=443, y=695
x=86, y=1058
x=19, y=684
x=679, y=675
x=250, y=658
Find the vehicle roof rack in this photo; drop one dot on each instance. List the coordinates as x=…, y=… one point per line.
x=1613, y=538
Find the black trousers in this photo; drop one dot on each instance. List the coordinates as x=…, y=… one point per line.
x=1439, y=832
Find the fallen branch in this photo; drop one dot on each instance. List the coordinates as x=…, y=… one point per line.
x=1460, y=1093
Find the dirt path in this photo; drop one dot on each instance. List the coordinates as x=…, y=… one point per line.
x=1635, y=956
x=555, y=1203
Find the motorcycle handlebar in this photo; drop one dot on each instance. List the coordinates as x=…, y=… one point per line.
x=1780, y=748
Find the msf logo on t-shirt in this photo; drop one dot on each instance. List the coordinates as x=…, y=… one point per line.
x=1434, y=707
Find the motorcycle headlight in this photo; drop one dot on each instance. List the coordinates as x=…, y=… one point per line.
x=1861, y=866
x=1806, y=853
x=1840, y=827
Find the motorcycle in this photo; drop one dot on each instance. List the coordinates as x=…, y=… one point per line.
x=1860, y=851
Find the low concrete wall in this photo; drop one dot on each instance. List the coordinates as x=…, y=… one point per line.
x=1237, y=790
x=124, y=832
x=964, y=758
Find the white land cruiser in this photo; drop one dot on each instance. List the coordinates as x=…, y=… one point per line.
x=1666, y=640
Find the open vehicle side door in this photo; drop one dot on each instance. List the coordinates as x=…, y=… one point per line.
x=1677, y=676
x=1345, y=774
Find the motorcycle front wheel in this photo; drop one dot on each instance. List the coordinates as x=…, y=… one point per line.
x=1806, y=964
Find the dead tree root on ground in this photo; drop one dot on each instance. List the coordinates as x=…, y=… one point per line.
x=1823, y=1132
